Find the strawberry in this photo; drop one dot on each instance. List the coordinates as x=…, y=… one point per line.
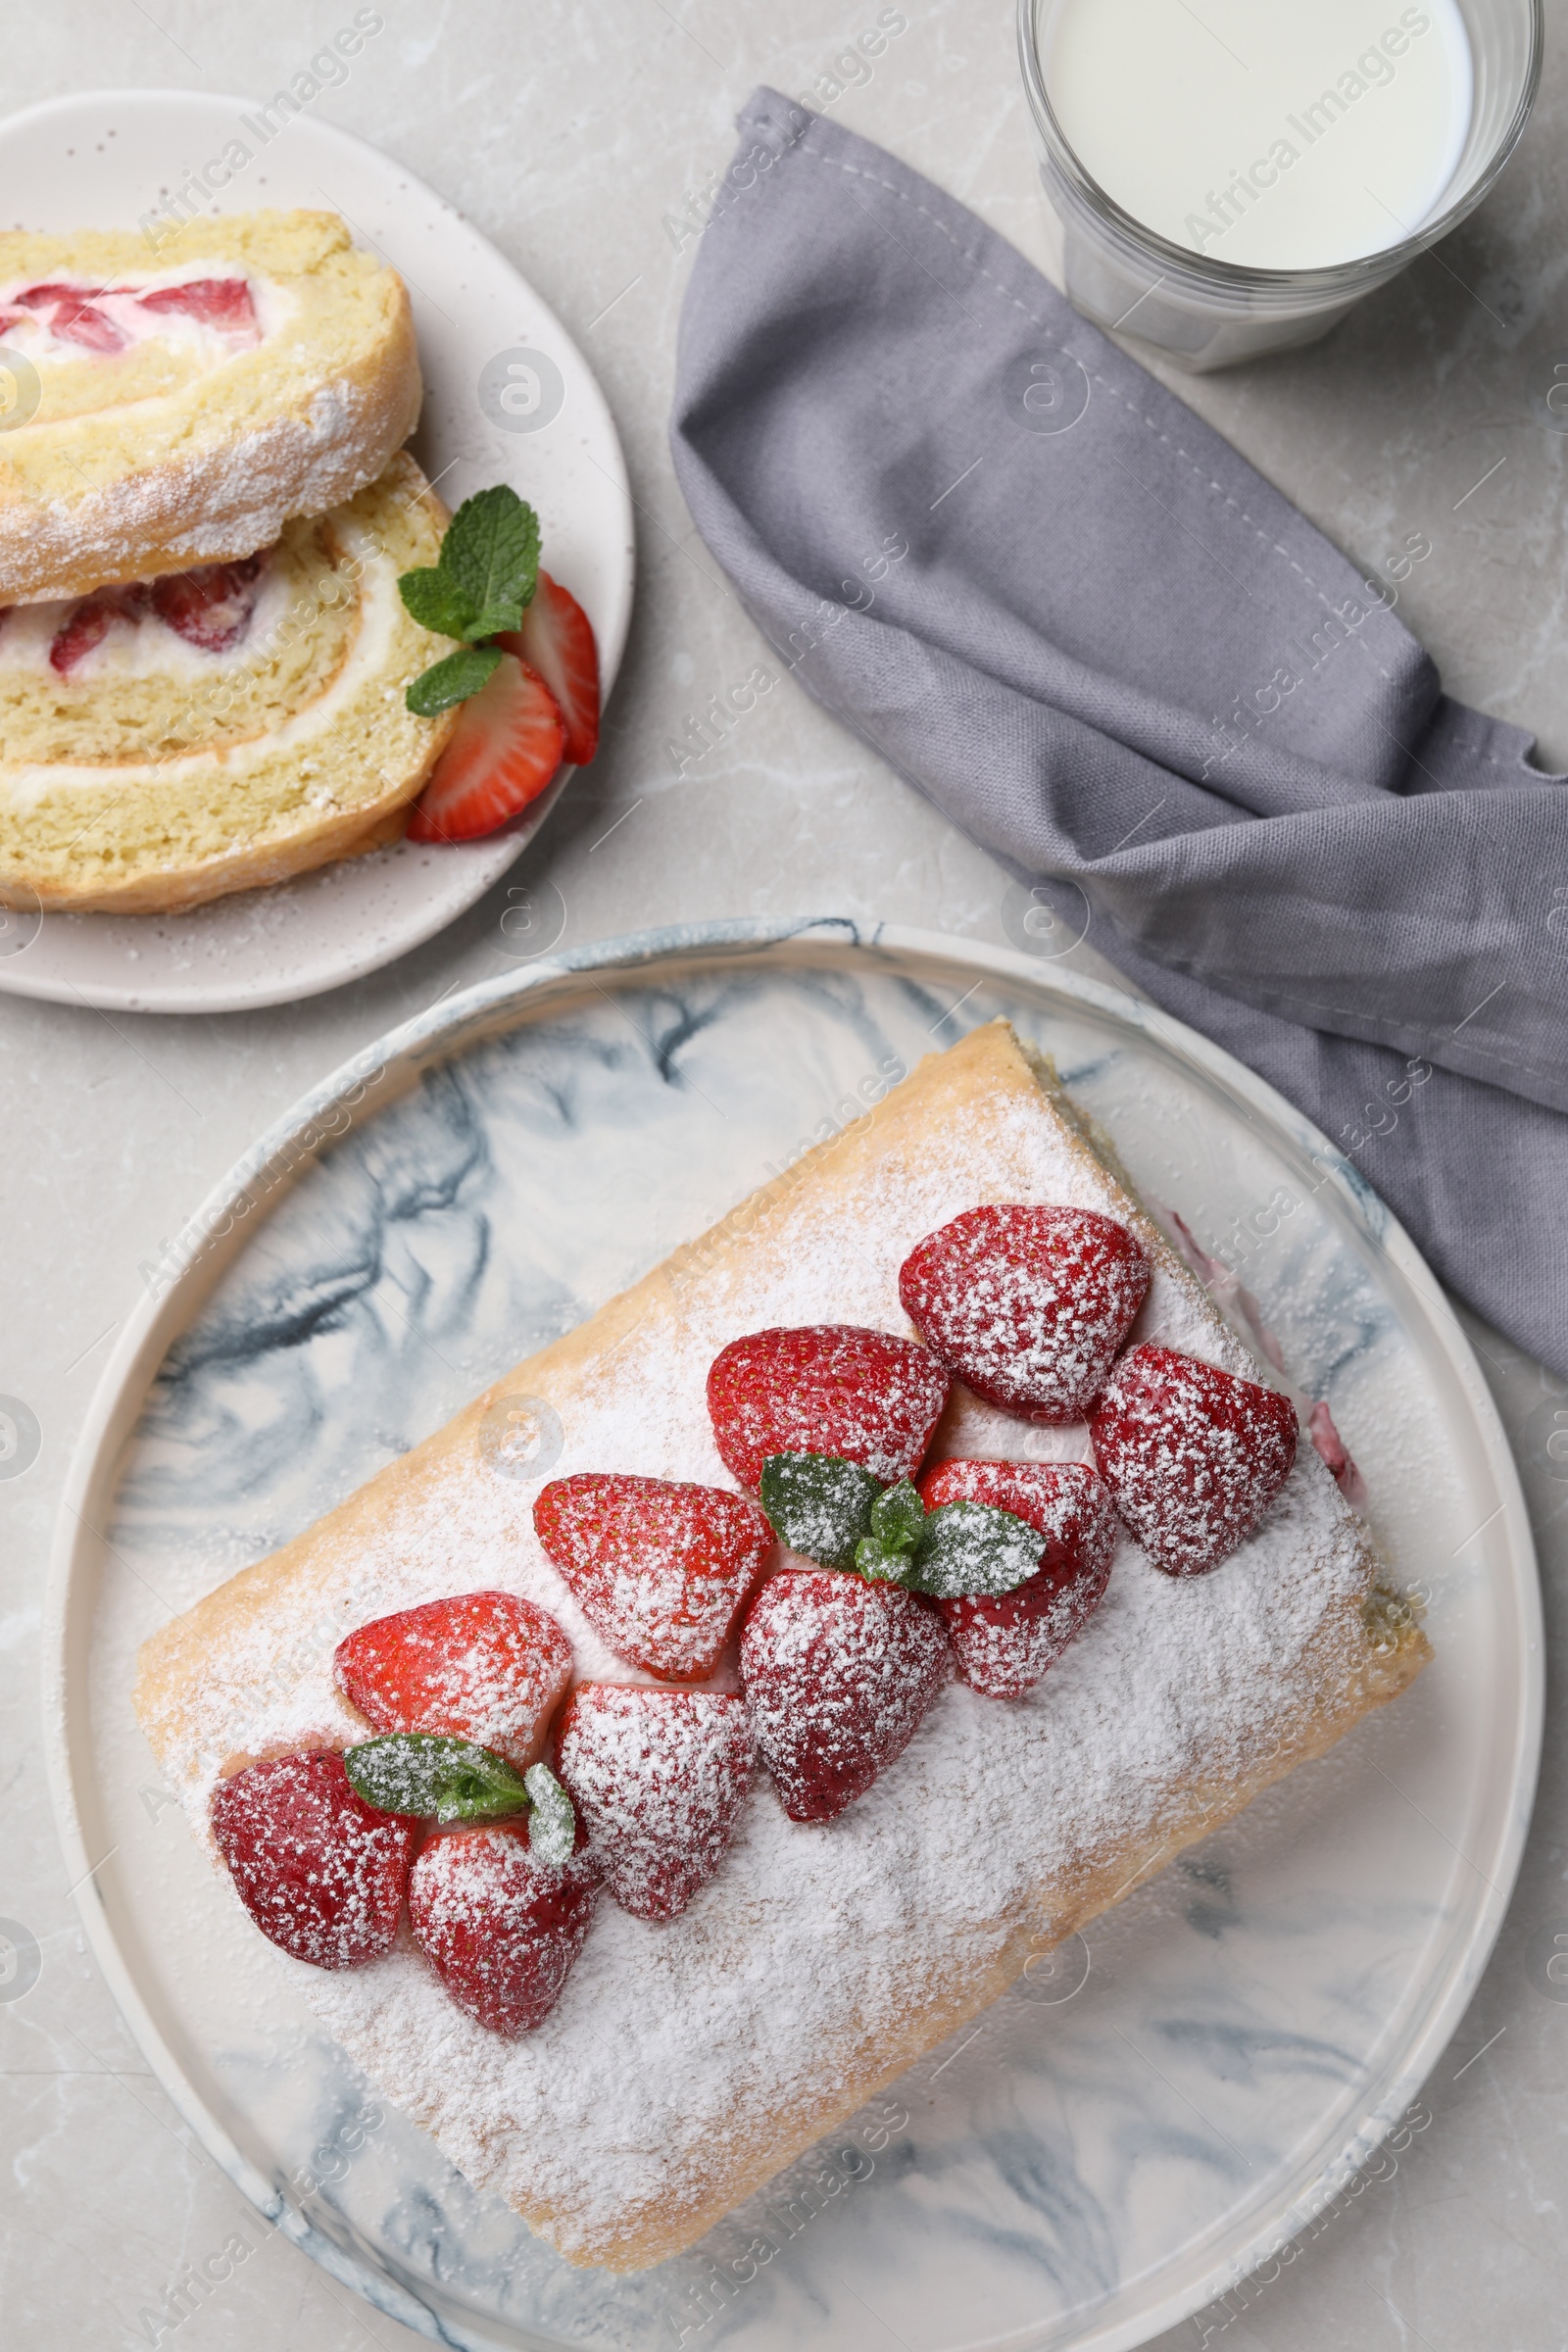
x=221, y=301
x=209, y=606
x=660, y=1570
x=1028, y=1307
x=659, y=1776
x=505, y=747
x=557, y=640
x=86, y=625
x=828, y=1387
x=72, y=315
x=320, y=1871
x=501, y=1928
x=838, y=1673
x=482, y=1666
x=1193, y=1455
x=1003, y=1645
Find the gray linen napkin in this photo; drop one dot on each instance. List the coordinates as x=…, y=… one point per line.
x=1069, y=612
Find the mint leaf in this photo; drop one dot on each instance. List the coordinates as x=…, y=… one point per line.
x=491, y=552
x=439, y=1778
x=441, y=603
x=897, y=1519
x=551, y=1824
x=972, y=1547
x=453, y=680
x=820, y=1505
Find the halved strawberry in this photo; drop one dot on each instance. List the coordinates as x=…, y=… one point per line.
x=482, y=1666
x=1193, y=1455
x=72, y=315
x=1004, y=1644
x=1028, y=1307
x=501, y=1928
x=661, y=1569
x=211, y=604
x=221, y=302
x=557, y=640
x=838, y=1673
x=659, y=1776
x=505, y=748
x=825, y=1387
x=320, y=1871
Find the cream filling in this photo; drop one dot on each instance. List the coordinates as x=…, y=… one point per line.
x=143, y=649
x=32, y=335
x=26, y=783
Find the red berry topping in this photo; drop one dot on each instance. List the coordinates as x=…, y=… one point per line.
x=660, y=1570
x=838, y=1673
x=1029, y=1306
x=659, y=1776
x=828, y=1387
x=1003, y=1646
x=484, y=1666
x=318, y=1870
x=211, y=606
x=503, y=750
x=1193, y=1455
x=557, y=640
x=501, y=1928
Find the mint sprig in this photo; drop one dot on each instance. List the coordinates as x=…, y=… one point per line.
x=887, y=1552
x=454, y=1780
x=818, y=1504
x=971, y=1549
x=838, y=1514
x=478, y=588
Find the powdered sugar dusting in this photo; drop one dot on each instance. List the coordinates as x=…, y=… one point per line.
x=659, y=1776
x=680, y=2051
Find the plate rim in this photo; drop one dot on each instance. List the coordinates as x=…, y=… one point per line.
x=215, y=997
x=215, y=1233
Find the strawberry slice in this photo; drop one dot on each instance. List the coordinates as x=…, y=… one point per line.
x=662, y=1570
x=86, y=625
x=838, y=1673
x=501, y=1928
x=482, y=1666
x=1029, y=1306
x=505, y=748
x=826, y=1387
x=49, y=291
x=557, y=640
x=320, y=1871
x=1193, y=1455
x=221, y=301
x=1004, y=1644
x=659, y=1776
x=209, y=606
x=74, y=316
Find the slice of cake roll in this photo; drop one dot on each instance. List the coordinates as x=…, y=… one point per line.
x=181, y=407
x=175, y=738
x=955, y=1768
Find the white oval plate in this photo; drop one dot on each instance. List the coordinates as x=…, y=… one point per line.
x=1078, y=2171
x=102, y=161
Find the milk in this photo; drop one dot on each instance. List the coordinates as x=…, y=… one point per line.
x=1278, y=134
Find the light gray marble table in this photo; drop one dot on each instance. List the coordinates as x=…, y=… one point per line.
x=582, y=142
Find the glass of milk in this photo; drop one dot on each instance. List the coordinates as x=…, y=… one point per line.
x=1231, y=175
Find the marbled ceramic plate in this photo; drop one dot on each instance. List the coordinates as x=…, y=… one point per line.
x=508, y=397
x=1105, y=2148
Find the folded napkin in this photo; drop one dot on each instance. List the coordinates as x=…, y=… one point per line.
x=1069, y=612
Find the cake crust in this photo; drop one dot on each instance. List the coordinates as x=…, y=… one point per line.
x=688, y=2063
